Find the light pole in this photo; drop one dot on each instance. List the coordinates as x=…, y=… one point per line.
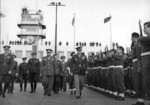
x=1, y=15
x=56, y=4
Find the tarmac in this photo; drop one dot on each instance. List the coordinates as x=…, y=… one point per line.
x=89, y=97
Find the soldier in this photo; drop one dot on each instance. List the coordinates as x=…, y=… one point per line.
x=145, y=57
x=58, y=72
x=23, y=73
x=119, y=73
x=64, y=73
x=13, y=76
x=34, y=71
x=71, y=77
x=79, y=64
x=136, y=58
x=6, y=66
x=47, y=72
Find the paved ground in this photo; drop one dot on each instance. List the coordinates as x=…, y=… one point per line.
x=63, y=98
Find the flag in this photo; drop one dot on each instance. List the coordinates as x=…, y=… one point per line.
x=73, y=21
x=107, y=19
x=140, y=27
x=1, y=14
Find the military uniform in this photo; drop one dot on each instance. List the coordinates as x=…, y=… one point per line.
x=145, y=61
x=79, y=65
x=6, y=66
x=119, y=74
x=34, y=71
x=47, y=71
x=12, y=77
x=57, y=74
x=65, y=74
x=23, y=74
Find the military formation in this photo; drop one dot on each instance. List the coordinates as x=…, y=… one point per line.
x=114, y=73
x=117, y=74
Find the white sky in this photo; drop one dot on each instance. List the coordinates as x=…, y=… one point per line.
x=89, y=21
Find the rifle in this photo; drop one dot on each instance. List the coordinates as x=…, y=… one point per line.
x=140, y=27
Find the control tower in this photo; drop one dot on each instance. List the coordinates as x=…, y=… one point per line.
x=32, y=27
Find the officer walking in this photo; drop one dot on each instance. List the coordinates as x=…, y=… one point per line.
x=23, y=73
x=47, y=72
x=65, y=73
x=71, y=77
x=79, y=64
x=57, y=74
x=6, y=66
x=13, y=76
x=34, y=71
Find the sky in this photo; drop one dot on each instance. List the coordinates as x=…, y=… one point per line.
x=89, y=22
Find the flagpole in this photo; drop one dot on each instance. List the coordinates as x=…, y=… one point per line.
x=110, y=34
x=74, y=33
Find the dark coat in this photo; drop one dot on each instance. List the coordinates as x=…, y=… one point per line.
x=15, y=68
x=65, y=71
x=6, y=63
x=79, y=64
x=48, y=66
x=58, y=67
x=23, y=69
x=34, y=66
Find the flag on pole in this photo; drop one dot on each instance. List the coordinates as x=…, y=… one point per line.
x=107, y=19
x=73, y=21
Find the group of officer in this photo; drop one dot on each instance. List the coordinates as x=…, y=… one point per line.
x=54, y=72
x=117, y=74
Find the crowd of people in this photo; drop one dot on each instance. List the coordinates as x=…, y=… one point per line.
x=54, y=72
x=113, y=72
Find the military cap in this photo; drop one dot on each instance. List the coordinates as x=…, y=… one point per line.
x=79, y=48
x=33, y=53
x=120, y=47
x=49, y=50
x=24, y=58
x=135, y=34
x=72, y=53
x=63, y=57
x=6, y=47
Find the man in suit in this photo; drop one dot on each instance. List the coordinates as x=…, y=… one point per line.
x=6, y=66
x=47, y=72
x=79, y=64
x=23, y=73
x=34, y=71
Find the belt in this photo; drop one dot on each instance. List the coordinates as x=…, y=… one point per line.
x=125, y=69
x=112, y=66
x=134, y=60
x=104, y=68
x=145, y=53
x=119, y=66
